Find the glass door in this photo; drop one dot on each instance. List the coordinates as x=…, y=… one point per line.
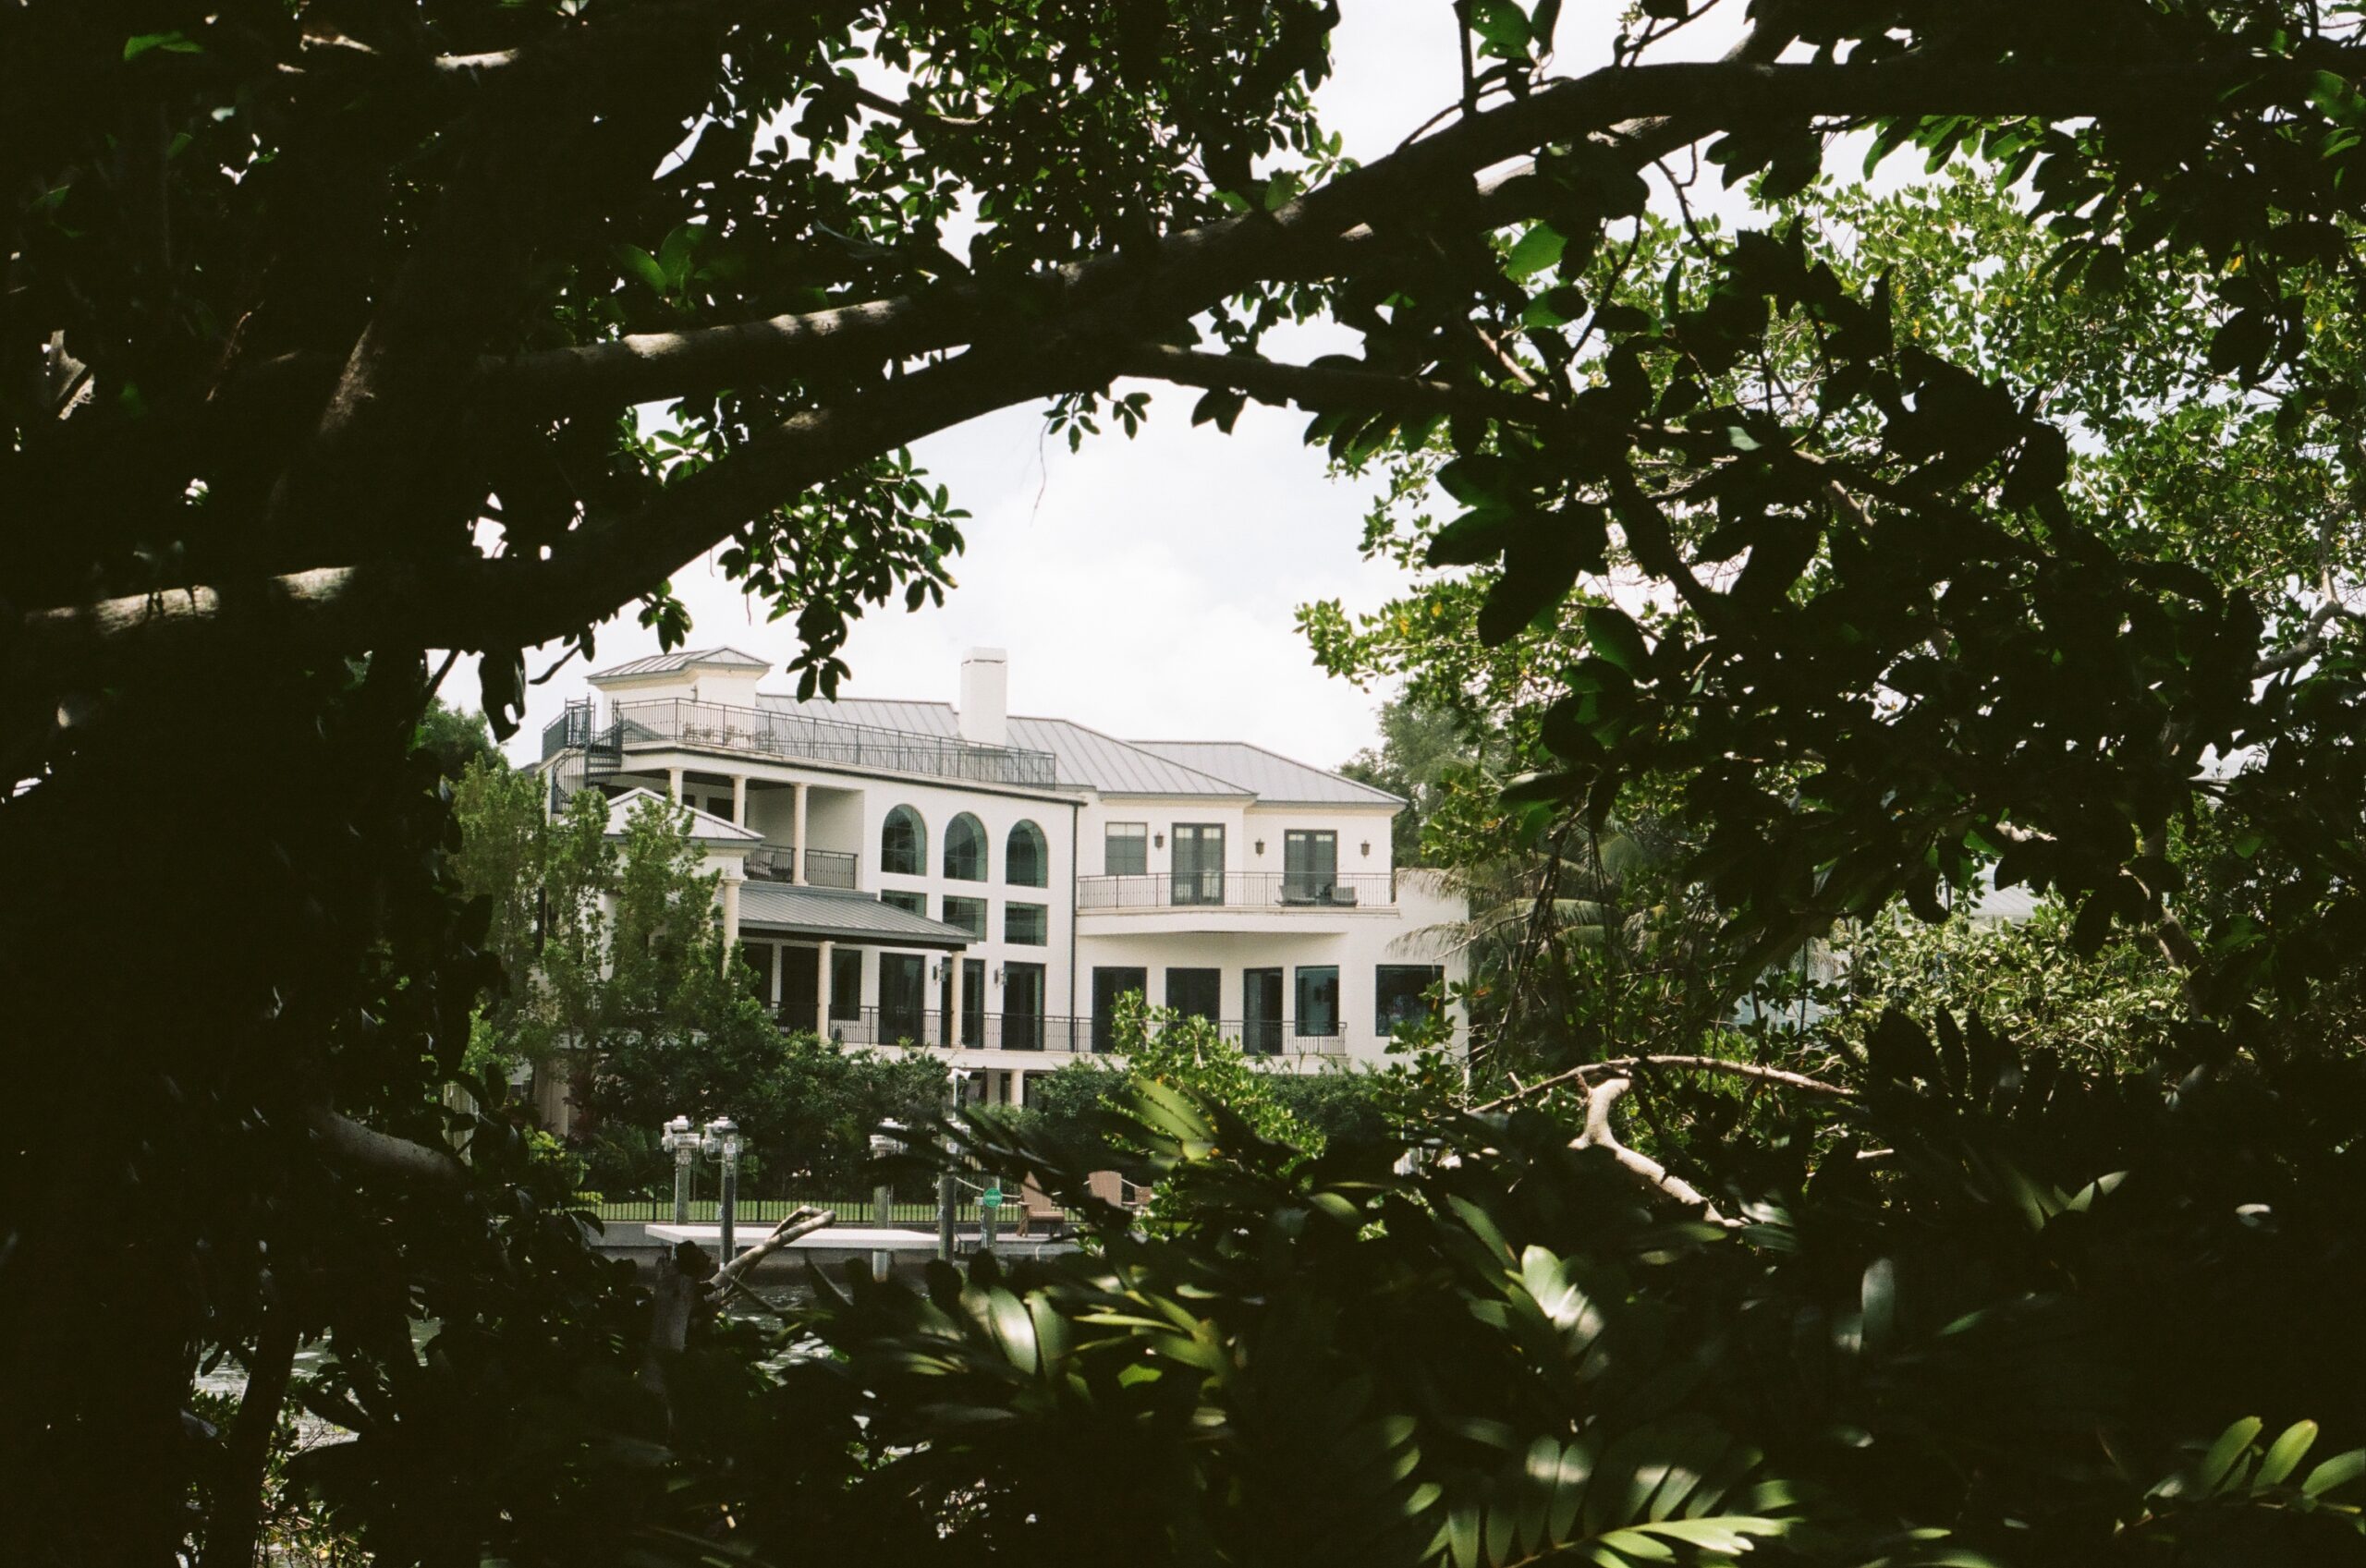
x=1022, y=1008
x=1309, y=865
x=1199, y=863
x=903, y=982
x=1261, y=1012
x=1108, y=987
x=973, y=1000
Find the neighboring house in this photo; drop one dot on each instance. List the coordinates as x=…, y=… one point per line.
x=890, y=867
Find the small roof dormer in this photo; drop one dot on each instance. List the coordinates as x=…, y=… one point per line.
x=707, y=675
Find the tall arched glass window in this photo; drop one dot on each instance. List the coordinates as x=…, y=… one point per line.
x=903, y=843
x=965, y=849
x=1024, y=862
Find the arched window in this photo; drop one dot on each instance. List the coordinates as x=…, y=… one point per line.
x=965, y=849
x=1024, y=863
x=903, y=843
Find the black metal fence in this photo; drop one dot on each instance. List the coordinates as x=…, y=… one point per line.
x=1236, y=890
x=766, y=732
x=1055, y=1036
x=824, y=867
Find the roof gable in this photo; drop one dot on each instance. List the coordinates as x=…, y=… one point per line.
x=705, y=827
x=677, y=662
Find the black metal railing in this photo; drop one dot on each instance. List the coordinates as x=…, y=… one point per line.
x=1237, y=890
x=1047, y=1033
x=765, y=732
x=824, y=867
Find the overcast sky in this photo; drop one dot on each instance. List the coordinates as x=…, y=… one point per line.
x=1143, y=587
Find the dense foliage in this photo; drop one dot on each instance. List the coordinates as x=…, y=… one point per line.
x=1832, y=559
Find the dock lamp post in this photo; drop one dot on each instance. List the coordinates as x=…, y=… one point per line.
x=722, y=1146
x=883, y=1143
x=680, y=1140
x=945, y=1186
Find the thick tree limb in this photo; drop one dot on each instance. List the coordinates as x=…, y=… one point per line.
x=472, y=602
x=1642, y=1167
x=1622, y=1066
x=348, y=1142
x=234, y=1513
x=803, y=1222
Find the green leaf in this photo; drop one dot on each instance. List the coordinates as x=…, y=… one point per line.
x=170, y=43
x=1613, y=636
x=2285, y=1453
x=2338, y=1471
x=639, y=263
x=1501, y=23
x=1540, y=248
x=2231, y=1445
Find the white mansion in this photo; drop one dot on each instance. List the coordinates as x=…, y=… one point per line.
x=910, y=872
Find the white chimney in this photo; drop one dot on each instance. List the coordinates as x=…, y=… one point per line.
x=985, y=697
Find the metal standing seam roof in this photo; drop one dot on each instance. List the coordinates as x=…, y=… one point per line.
x=1085, y=758
x=705, y=827
x=781, y=908
x=1269, y=775
x=680, y=658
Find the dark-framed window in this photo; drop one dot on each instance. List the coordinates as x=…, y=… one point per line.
x=903, y=843
x=965, y=849
x=1309, y=864
x=910, y=902
x=1195, y=994
x=973, y=1001
x=1125, y=849
x=970, y=914
x=1400, y=994
x=846, y=984
x=1026, y=859
x=1109, y=985
x=1318, y=1000
x=758, y=957
x=1026, y=925
x=1199, y=863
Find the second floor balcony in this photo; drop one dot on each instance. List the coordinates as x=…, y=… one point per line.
x=824, y=867
x=1259, y=891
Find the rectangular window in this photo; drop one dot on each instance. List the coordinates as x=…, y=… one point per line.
x=1026, y=925
x=758, y=957
x=846, y=984
x=910, y=902
x=1199, y=863
x=1195, y=994
x=1309, y=865
x=1109, y=985
x=1022, y=1006
x=970, y=914
x=1125, y=849
x=1317, y=1001
x=1400, y=994
x=1261, y=1011
x=903, y=982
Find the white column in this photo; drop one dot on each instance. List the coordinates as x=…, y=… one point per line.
x=797, y=816
x=674, y=785
x=739, y=798
x=821, y=1026
x=953, y=1024
x=1018, y=1087
x=730, y=919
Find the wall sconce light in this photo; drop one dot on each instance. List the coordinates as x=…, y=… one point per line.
x=1261, y=846
x=1367, y=848
x=936, y=968
x=999, y=971
x=1158, y=840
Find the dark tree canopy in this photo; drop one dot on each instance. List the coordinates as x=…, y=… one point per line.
x=323, y=331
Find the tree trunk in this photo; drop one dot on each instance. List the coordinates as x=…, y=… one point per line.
x=234, y=1522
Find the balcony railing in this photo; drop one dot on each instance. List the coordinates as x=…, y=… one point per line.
x=1045, y=1032
x=824, y=867
x=764, y=731
x=1237, y=890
